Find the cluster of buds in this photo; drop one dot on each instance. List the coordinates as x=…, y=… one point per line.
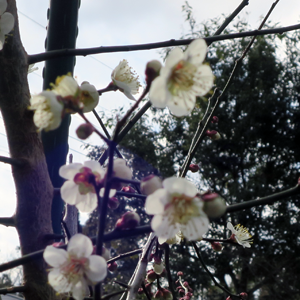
x=183, y=288
x=129, y=220
x=214, y=205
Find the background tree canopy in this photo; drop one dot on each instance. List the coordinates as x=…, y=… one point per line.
x=259, y=121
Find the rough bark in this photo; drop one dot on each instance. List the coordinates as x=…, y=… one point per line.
x=33, y=187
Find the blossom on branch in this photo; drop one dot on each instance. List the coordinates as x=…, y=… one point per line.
x=48, y=111
x=89, y=96
x=176, y=207
x=240, y=235
x=126, y=79
x=73, y=270
x=7, y=22
x=79, y=189
x=182, y=79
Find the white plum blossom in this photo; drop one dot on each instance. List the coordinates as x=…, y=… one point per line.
x=126, y=79
x=73, y=270
x=7, y=22
x=177, y=239
x=183, y=77
x=240, y=235
x=48, y=110
x=89, y=96
x=78, y=189
x=176, y=207
x=65, y=86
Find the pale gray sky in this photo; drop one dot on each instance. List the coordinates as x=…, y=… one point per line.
x=115, y=22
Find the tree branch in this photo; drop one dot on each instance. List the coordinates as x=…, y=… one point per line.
x=13, y=161
x=13, y=289
x=8, y=222
x=169, y=276
x=110, y=49
x=131, y=253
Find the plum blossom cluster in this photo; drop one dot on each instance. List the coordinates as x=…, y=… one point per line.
x=66, y=96
x=7, y=22
x=126, y=79
x=75, y=269
x=82, y=180
x=183, y=77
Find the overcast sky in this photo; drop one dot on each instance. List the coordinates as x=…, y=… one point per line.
x=108, y=23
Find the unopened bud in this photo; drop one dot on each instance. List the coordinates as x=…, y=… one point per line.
x=181, y=291
x=217, y=246
x=214, y=119
x=243, y=296
x=152, y=70
x=158, y=267
x=128, y=189
x=128, y=221
x=150, y=184
x=213, y=134
x=159, y=295
x=84, y=131
x=151, y=276
x=113, y=203
x=194, y=168
x=167, y=294
x=214, y=205
x=140, y=291
x=112, y=267
x=179, y=274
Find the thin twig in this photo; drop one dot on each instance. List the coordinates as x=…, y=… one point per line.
x=13, y=161
x=13, y=289
x=120, y=256
x=8, y=222
x=34, y=58
x=169, y=276
x=210, y=274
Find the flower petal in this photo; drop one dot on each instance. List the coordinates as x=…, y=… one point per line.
x=196, y=52
x=58, y=281
x=69, y=192
x=230, y=227
x=2, y=40
x=3, y=6
x=172, y=59
x=155, y=202
x=55, y=257
x=204, y=80
x=80, y=290
x=112, y=193
x=88, y=204
x=158, y=92
x=183, y=104
x=97, y=269
x=69, y=171
x=180, y=186
x=80, y=245
x=7, y=22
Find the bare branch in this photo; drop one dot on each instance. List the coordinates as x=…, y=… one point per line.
x=110, y=49
x=13, y=161
x=8, y=222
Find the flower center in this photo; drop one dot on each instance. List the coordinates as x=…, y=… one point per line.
x=183, y=209
x=74, y=269
x=182, y=77
x=85, y=178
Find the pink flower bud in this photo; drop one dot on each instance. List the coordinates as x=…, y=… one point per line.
x=214, y=119
x=128, y=189
x=167, y=294
x=151, y=276
x=181, y=291
x=113, y=203
x=128, y=221
x=243, y=296
x=217, y=246
x=152, y=70
x=214, y=205
x=159, y=295
x=179, y=274
x=194, y=168
x=186, y=284
x=213, y=134
x=57, y=244
x=150, y=184
x=112, y=267
x=140, y=291
x=228, y=298
x=84, y=131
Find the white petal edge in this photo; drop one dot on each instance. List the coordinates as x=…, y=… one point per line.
x=158, y=92
x=88, y=204
x=69, y=171
x=196, y=52
x=58, y=281
x=180, y=185
x=155, y=203
x=7, y=22
x=55, y=257
x=97, y=269
x=80, y=245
